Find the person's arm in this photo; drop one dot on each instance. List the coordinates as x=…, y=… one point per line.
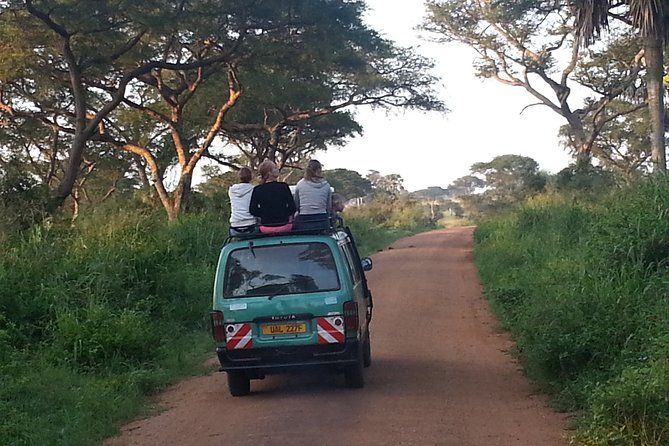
x=297, y=198
x=328, y=206
x=254, y=208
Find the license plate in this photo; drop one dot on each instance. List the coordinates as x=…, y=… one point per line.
x=281, y=329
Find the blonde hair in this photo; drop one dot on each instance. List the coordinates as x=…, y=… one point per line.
x=314, y=171
x=268, y=171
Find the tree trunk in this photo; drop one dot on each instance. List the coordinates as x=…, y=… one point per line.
x=182, y=192
x=655, y=70
x=156, y=176
x=53, y=159
x=81, y=135
x=141, y=171
x=581, y=142
x=66, y=185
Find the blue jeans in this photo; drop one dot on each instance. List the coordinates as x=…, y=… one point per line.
x=312, y=222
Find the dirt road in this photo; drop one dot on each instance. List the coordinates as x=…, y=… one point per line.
x=440, y=374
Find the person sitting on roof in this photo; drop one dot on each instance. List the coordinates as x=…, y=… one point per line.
x=272, y=201
x=338, y=205
x=313, y=199
x=241, y=220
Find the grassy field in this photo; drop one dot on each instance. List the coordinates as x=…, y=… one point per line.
x=583, y=286
x=94, y=318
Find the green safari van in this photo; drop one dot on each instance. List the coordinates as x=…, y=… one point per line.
x=289, y=301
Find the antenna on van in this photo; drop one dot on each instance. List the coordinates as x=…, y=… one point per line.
x=251, y=249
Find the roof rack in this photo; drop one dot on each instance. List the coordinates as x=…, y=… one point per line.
x=332, y=228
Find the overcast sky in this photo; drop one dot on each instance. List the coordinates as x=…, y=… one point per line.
x=432, y=149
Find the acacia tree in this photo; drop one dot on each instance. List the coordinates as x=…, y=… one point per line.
x=349, y=183
x=533, y=45
x=465, y=185
x=186, y=110
x=507, y=179
x=391, y=185
x=284, y=89
x=622, y=144
x=89, y=58
x=299, y=97
x=651, y=18
x=169, y=131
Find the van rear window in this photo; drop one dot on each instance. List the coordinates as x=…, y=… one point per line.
x=280, y=269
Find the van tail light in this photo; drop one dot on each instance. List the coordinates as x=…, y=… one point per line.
x=351, y=316
x=218, y=326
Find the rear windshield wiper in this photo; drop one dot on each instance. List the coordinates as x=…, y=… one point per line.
x=281, y=290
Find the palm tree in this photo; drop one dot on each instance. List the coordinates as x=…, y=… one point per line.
x=651, y=18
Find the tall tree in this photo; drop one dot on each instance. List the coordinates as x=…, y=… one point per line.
x=76, y=65
x=532, y=45
x=622, y=138
x=349, y=183
x=510, y=176
x=651, y=18
x=465, y=185
x=391, y=185
x=290, y=91
x=173, y=132
x=300, y=97
x=507, y=179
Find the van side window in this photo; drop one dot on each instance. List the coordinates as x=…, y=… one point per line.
x=357, y=268
x=349, y=265
x=350, y=258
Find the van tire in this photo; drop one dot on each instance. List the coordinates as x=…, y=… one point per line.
x=239, y=383
x=367, y=352
x=354, y=374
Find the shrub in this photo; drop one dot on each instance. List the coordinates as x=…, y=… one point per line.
x=95, y=316
x=582, y=285
x=97, y=336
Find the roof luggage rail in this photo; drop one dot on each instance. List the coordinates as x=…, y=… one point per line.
x=331, y=226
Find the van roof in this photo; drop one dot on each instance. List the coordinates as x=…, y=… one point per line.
x=330, y=230
x=334, y=233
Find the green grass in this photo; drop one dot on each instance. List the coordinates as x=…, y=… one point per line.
x=452, y=221
x=372, y=239
x=583, y=285
x=94, y=318
x=383, y=220
x=46, y=403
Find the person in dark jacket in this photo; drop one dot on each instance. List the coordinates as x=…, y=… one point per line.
x=271, y=201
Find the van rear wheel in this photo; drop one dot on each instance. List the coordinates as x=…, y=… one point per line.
x=354, y=374
x=239, y=383
x=367, y=352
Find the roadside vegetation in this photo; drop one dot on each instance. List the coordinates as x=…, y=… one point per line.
x=582, y=282
x=108, y=241
x=383, y=221
x=99, y=315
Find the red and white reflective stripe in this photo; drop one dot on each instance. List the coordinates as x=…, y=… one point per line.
x=331, y=330
x=238, y=336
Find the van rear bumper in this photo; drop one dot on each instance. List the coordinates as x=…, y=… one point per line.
x=283, y=359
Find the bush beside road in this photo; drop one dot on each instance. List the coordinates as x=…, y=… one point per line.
x=583, y=285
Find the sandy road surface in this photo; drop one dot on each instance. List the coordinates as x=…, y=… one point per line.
x=440, y=374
